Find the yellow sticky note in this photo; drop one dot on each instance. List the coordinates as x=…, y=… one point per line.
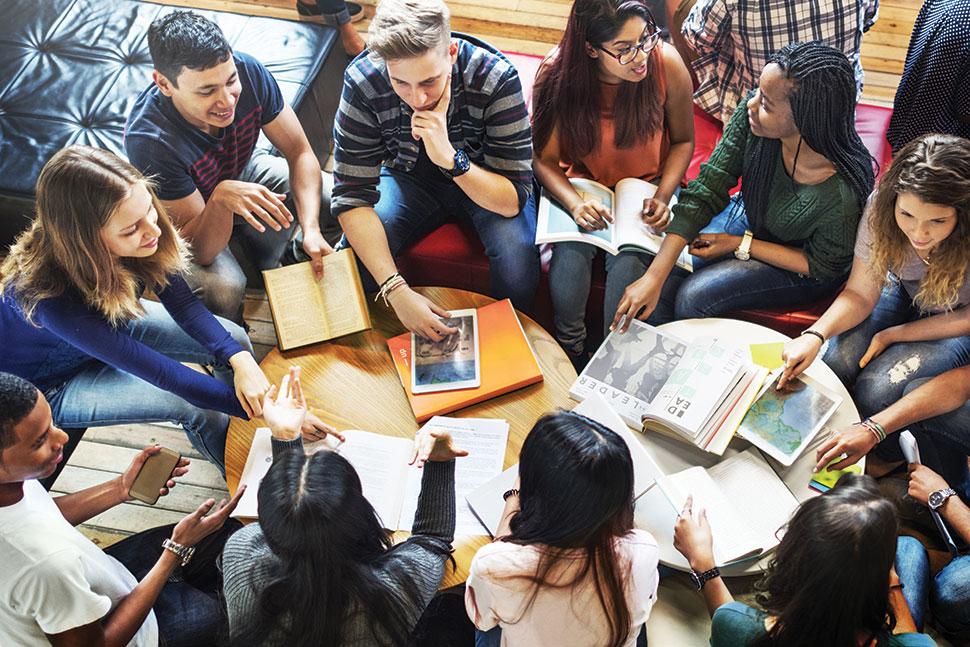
x=767, y=355
x=828, y=478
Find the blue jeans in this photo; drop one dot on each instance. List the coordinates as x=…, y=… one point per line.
x=189, y=609
x=883, y=380
x=100, y=395
x=493, y=637
x=724, y=285
x=414, y=204
x=947, y=595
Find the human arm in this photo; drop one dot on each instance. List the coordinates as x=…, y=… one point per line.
x=194, y=318
x=82, y=505
x=939, y=326
x=707, y=29
x=123, y=622
x=590, y=214
x=509, y=510
x=693, y=540
x=86, y=330
x=715, y=245
x=923, y=481
x=287, y=135
x=944, y=393
x=853, y=305
x=900, y=608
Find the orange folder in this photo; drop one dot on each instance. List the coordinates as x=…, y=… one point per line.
x=507, y=363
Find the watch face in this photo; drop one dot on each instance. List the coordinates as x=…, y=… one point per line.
x=696, y=579
x=936, y=499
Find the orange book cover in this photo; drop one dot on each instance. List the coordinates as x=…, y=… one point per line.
x=508, y=363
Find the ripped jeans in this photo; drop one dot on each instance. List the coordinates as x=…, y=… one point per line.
x=883, y=380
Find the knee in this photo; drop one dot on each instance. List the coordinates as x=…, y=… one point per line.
x=950, y=599
x=223, y=294
x=693, y=300
x=911, y=556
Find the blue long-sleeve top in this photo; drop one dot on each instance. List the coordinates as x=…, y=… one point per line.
x=70, y=334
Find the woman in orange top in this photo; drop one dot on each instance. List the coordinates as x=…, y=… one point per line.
x=612, y=102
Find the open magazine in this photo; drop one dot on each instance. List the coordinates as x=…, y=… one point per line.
x=624, y=202
x=696, y=391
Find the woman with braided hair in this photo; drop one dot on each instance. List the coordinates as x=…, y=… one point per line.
x=788, y=237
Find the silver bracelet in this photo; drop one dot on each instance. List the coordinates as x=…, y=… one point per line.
x=184, y=552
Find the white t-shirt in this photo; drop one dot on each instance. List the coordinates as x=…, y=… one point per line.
x=558, y=617
x=54, y=578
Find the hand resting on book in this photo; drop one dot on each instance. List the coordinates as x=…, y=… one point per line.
x=434, y=445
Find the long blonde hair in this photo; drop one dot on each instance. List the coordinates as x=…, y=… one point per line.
x=936, y=169
x=77, y=192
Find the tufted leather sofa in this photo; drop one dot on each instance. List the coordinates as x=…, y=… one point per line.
x=70, y=71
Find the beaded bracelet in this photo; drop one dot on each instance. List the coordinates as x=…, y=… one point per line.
x=877, y=430
x=392, y=283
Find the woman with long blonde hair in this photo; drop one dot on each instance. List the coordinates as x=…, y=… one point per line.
x=73, y=320
x=902, y=315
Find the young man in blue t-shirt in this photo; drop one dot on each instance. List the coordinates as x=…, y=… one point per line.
x=195, y=130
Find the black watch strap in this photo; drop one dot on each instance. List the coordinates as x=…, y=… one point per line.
x=700, y=579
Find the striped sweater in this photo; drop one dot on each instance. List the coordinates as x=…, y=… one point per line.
x=487, y=118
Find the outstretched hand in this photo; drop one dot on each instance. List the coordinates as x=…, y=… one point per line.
x=285, y=411
x=434, y=445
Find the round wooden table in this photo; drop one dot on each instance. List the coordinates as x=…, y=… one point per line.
x=351, y=383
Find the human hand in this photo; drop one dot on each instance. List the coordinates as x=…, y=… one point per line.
x=200, y=524
x=254, y=202
x=316, y=247
x=250, y=383
x=434, y=445
x=431, y=127
x=656, y=214
x=855, y=442
x=693, y=538
x=880, y=342
x=639, y=300
x=923, y=482
x=284, y=408
x=127, y=478
x=713, y=246
x=419, y=314
x=591, y=215
x=798, y=354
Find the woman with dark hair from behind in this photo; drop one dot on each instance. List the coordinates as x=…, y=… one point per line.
x=566, y=545
x=613, y=101
x=319, y=570
x=806, y=176
x=831, y=582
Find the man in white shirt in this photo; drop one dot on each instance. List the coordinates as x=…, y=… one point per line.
x=56, y=586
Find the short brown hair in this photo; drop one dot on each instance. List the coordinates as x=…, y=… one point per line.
x=408, y=28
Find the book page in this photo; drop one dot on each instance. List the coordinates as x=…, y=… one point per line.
x=630, y=228
x=381, y=463
x=555, y=224
x=486, y=501
x=485, y=441
x=746, y=478
x=297, y=305
x=732, y=538
x=257, y=464
x=307, y=311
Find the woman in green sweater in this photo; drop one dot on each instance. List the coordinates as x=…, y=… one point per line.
x=806, y=176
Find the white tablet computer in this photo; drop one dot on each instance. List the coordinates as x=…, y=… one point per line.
x=783, y=423
x=452, y=363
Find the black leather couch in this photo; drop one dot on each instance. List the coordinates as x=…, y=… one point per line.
x=70, y=71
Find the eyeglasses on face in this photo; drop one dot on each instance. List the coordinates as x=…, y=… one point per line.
x=649, y=40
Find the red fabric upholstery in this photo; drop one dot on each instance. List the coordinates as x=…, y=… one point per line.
x=453, y=256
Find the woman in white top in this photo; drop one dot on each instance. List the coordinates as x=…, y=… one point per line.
x=567, y=567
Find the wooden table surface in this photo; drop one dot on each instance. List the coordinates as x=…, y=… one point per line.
x=352, y=384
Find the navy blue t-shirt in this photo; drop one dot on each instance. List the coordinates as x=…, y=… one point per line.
x=183, y=158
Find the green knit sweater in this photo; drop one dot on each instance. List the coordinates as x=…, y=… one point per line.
x=820, y=219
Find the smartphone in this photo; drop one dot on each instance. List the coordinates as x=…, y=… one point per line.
x=153, y=476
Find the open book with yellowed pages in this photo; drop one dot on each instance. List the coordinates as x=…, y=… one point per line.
x=624, y=202
x=306, y=311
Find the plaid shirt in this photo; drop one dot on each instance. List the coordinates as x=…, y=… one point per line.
x=734, y=38
x=487, y=118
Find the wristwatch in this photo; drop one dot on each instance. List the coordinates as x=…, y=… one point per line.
x=185, y=552
x=743, y=252
x=462, y=164
x=700, y=579
x=938, y=498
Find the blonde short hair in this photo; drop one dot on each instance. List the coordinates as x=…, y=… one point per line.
x=408, y=28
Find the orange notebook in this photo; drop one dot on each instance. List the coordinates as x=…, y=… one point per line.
x=508, y=363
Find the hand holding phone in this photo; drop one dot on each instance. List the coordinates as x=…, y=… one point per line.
x=154, y=474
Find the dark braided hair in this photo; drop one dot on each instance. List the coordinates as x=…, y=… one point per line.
x=823, y=102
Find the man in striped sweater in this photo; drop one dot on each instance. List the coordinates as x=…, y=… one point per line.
x=431, y=127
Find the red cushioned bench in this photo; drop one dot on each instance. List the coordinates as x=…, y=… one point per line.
x=453, y=256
